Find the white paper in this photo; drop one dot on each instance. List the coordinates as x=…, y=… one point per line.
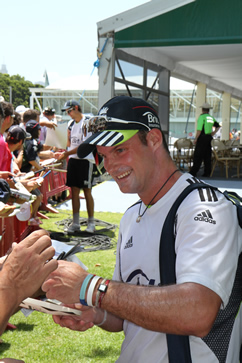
x=48, y=307
x=57, y=137
x=63, y=247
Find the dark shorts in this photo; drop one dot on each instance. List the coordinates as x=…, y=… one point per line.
x=36, y=192
x=79, y=173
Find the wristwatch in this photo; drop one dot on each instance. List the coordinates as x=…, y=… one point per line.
x=102, y=289
x=103, y=286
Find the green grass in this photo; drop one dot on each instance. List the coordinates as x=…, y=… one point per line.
x=38, y=339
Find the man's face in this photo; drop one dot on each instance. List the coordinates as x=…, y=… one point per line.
x=72, y=112
x=131, y=165
x=50, y=117
x=8, y=121
x=19, y=145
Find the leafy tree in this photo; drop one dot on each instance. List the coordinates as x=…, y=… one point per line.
x=20, y=89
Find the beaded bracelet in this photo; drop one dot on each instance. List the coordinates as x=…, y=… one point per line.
x=83, y=289
x=91, y=290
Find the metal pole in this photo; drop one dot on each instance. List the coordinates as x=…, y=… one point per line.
x=10, y=94
x=190, y=106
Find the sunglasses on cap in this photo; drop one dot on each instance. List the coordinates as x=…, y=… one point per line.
x=101, y=123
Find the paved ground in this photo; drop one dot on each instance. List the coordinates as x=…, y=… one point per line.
x=108, y=198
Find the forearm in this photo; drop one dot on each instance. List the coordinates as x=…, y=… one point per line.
x=186, y=309
x=71, y=152
x=112, y=322
x=35, y=164
x=8, y=303
x=198, y=133
x=215, y=131
x=67, y=153
x=46, y=154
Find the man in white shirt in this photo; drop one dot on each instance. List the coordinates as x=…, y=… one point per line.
x=204, y=302
x=79, y=171
x=47, y=121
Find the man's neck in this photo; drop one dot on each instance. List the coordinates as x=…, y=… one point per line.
x=78, y=117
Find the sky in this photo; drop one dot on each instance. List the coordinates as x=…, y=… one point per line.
x=56, y=36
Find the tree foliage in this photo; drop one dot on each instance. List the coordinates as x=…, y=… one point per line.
x=20, y=89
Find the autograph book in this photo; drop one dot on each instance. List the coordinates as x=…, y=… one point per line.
x=49, y=307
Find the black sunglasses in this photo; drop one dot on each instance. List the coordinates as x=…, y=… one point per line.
x=70, y=109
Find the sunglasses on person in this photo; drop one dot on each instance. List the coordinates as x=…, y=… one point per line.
x=70, y=109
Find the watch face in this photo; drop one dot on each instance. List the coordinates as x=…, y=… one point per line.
x=102, y=288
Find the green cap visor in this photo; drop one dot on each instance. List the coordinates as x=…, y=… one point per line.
x=127, y=134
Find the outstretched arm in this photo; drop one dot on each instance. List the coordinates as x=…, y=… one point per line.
x=23, y=272
x=188, y=308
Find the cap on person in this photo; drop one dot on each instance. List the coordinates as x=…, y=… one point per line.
x=118, y=120
x=33, y=128
x=206, y=106
x=69, y=104
x=49, y=111
x=21, y=109
x=17, y=133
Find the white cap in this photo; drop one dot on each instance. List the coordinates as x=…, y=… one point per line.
x=24, y=212
x=21, y=109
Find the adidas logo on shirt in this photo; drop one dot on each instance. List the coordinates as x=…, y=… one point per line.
x=205, y=216
x=129, y=244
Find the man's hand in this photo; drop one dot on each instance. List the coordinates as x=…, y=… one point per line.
x=31, y=184
x=78, y=323
x=64, y=284
x=61, y=155
x=27, y=266
x=6, y=175
x=58, y=154
x=6, y=210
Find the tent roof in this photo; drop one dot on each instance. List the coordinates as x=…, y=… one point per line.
x=199, y=41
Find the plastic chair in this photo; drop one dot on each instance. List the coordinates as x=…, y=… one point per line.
x=183, y=152
x=221, y=157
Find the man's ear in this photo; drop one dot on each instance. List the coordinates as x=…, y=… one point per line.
x=154, y=138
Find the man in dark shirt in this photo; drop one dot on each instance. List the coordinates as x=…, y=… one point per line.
x=204, y=135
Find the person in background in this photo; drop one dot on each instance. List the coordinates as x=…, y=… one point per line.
x=21, y=110
x=203, y=152
x=200, y=304
x=5, y=153
x=30, y=114
x=6, y=120
x=34, y=115
x=15, y=139
x=31, y=160
x=79, y=171
x=8, y=117
x=17, y=118
x=47, y=120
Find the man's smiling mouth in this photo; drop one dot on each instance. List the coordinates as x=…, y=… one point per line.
x=121, y=176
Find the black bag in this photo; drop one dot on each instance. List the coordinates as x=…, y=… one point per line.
x=178, y=345
x=4, y=191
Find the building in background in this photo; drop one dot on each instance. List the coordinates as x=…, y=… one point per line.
x=182, y=99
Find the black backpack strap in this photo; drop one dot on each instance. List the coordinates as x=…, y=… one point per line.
x=178, y=345
x=237, y=200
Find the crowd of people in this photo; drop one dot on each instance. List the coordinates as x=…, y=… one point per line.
x=204, y=303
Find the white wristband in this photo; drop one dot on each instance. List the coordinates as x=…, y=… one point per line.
x=104, y=319
x=91, y=289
